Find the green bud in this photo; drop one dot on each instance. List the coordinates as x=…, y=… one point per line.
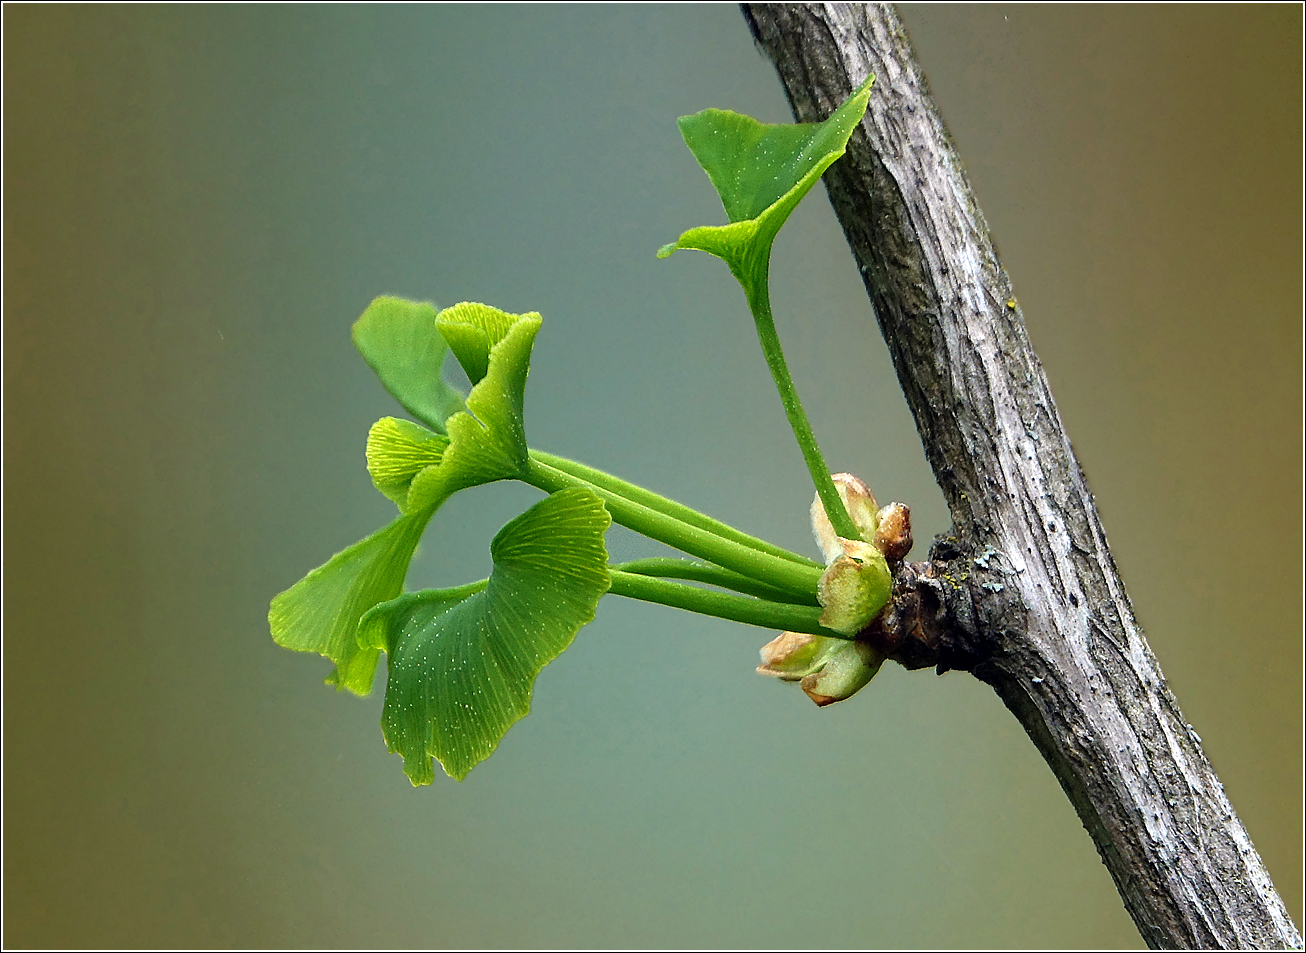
x=853, y=590
x=793, y=655
x=827, y=669
x=854, y=587
x=859, y=500
x=846, y=670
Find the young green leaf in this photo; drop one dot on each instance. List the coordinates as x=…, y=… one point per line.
x=487, y=441
x=761, y=171
x=397, y=451
x=471, y=330
x=463, y=661
x=320, y=613
x=399, y=341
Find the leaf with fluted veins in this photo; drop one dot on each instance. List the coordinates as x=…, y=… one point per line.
x=463, y=661
x=761, y=171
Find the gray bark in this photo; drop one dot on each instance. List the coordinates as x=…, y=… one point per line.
x=1024, y=594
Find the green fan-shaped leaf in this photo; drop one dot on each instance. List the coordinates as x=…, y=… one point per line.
x=463, y=661
x=399, y=341
x=320, y=613
x=487, y=441
x=397, y=451
x=761, y=171
x=471, y=330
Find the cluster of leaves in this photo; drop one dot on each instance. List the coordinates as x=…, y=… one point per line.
x=463, y=661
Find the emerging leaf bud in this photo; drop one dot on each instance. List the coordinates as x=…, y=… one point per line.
x=793, y=655
x=845, y=672
x=854, y=587
x=853, y=590
x=828, y=670
x=893, y=535
x=863, y=509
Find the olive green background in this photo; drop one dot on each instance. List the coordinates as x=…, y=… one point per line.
x=200, y=200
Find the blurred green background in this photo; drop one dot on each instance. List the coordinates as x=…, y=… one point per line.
x=200, y=201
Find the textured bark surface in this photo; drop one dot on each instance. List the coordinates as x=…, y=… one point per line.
x=1025, y=593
